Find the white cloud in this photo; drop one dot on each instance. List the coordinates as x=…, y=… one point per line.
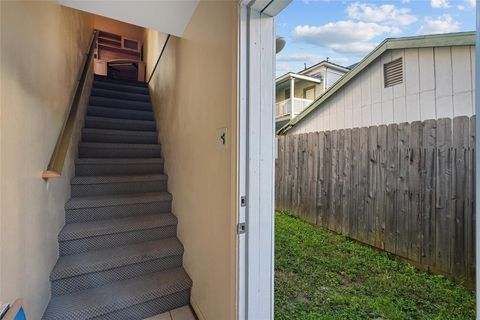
x=343, y=36
x=300, y=57
x=460, y=7
x=353, y=47
x=471, y=3
x=339, y=32
x=440, y=3
x=441, y=24
x=386, y=13
x=405, y=1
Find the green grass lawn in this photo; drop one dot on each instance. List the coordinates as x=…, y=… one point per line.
x=323, y=275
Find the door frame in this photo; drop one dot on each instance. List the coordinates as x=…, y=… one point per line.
x=256, y=157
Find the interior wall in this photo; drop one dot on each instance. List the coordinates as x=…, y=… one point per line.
x=42, y=50
x=127, y=30
x=194, y=94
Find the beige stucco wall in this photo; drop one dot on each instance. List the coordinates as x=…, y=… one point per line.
x=194, y=94
x=42, y=48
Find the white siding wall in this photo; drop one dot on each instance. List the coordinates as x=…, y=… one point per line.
x=333, y=76
x=438, y=83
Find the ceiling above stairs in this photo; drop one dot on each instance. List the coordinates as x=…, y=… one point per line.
x=165, y=16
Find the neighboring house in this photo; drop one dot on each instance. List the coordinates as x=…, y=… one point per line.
x=307, y=85
x=401, y=80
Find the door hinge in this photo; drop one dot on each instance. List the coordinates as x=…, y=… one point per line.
x=243, y=201
x=241, y=228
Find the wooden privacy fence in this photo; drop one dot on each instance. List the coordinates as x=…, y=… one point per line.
x=407, y=188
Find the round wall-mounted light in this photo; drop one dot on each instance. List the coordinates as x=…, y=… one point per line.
x=279, y=44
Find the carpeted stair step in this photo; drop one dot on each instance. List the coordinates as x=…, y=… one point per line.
x=103, y=185
x=136, y=298
x=119, y=124
x=118, y=113
x=132, y=83
x=115, y=94
x=116, y=166
x=118, y=136
x=120, y=103
x=117, y=206
x=118, y=150
x=93, y=235
x=96, y=268
x=119, y=87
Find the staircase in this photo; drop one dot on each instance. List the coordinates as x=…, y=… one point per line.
x=119, y=255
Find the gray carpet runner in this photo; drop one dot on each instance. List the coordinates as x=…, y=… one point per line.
x=119, y=254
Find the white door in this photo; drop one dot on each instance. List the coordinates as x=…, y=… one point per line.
x=256, y=157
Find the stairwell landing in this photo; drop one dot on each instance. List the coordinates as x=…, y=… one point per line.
x=119, y=254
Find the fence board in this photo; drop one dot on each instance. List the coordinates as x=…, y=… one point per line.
x=428, y=216
x=346, y=199
x=459, y=189
x=379, y=213
x=415, y=190
x=391, y=189
x=355, y=183
x=403, y=192
x=371, y=184
x=340, y=152
x=470, y=210
x=321, y=187
x=443, y=194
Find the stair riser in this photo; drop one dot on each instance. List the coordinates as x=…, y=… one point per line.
x=102, y=124
x=84, y=190
x=119, y=88
x=95, y=279
x=120, y=104
x=119, y=113
x=115, y=240
x=115, y=94
x=150, y=308
x=118, y=138
x=90, y=214
x=114, y=169
x=89, y=152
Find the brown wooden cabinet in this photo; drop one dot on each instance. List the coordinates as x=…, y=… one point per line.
x=119, y=57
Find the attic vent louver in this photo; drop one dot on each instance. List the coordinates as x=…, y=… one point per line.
x=393, y=73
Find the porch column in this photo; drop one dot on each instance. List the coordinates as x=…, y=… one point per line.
x=292, y=95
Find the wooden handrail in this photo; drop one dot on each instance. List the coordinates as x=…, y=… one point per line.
x=57, y=160
x=158, y=60
x=13, y=310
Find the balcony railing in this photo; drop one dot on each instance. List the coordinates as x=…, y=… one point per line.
x=283, y=108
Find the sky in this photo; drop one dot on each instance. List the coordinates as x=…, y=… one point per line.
x=346, y=31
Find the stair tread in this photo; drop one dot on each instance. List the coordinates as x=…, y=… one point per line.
x=107, y=119
x=117, y=179
x=119, y=132
x=110, y=145
x=97, y=92
x=119, y=100
x=118, y=87
x=117, y=200
x=114, y=296
x=80, y=230
x=129, y=83
x=122, y=110
x=104, y=259
x=118, y=160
